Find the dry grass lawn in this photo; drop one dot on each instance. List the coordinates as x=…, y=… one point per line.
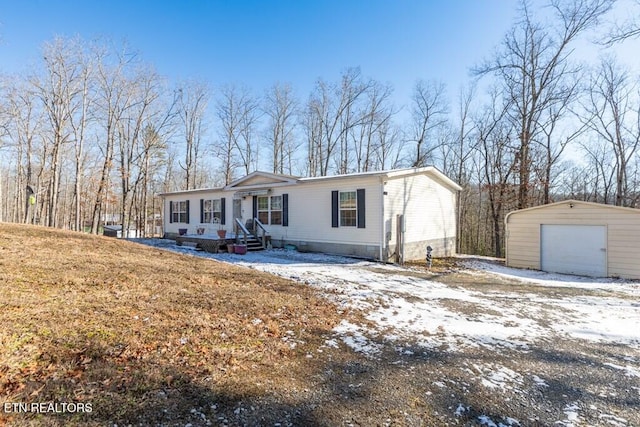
x=146, y=336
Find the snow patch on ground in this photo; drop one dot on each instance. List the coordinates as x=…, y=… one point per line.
x=487, y=421
x=460, y=410
x=543, y=278
x=539, y=381
x=403, y=305
x=499, y=377
x=629, y=370
x=571, y=411
x=353, y=336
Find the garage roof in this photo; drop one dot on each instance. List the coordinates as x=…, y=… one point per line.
x=575, y=202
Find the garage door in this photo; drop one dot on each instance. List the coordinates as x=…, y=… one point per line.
x=574, y=249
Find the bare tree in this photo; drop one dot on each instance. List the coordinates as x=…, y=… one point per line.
x=23, y=125
x=280, y=106
x=375, y=115
x=553, y=142
x=498, y=159
x=312, y=126
x=160, y=125
x=58, y=89
x=599, y=165
x=193, y=98
x=142, y=92
x=533, y=64
x=613, y=113
x=628, y=28
x=461, y=144
x=428, y=113
x=112, y=98
x=79, y=122
x=237, y=111
x=456, y=157
x=330, y=115
x=352, y=93
x=151, y=157
x=247, y=146
x=576, y=182
x=388, y=146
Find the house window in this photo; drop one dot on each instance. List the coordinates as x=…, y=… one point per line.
x=211, y=211
x=263, y=210
x=348, y=209
x=270, y=210
x=276, y=210
x=179, y=212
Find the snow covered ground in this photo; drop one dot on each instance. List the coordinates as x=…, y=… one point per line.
x=409, y=310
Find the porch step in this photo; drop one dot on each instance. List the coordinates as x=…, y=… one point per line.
x=254, y=244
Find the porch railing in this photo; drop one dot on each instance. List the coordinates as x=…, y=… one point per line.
x=242, y=229
x=261, y=232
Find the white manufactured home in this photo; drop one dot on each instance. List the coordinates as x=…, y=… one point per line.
x=575, y=237
x=388, y=215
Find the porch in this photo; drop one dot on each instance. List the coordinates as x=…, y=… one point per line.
x=253, y=235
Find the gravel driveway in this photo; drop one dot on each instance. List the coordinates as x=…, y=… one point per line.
x=474, y=343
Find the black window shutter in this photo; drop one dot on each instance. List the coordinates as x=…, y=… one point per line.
x=255, y=207
x=187, y=221
x=285, y=210
x=361, y=211
x=335, y=216
x=222, y=210
x=201, y=211
x=170, y=211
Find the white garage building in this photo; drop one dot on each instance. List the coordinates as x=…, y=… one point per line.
x=575, y=237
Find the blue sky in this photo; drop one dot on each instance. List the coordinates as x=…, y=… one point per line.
x=259, y=43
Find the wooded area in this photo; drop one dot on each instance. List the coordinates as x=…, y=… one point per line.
x=92, y=135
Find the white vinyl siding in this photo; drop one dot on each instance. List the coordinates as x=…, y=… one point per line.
x=310, y=212
x=429, y=210
x=194, y=199
x=623, y=234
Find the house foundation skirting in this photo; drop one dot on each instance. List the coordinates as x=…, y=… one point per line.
x=355, y=250
x=414, y=251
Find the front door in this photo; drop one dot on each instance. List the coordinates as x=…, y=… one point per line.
x=237, y=211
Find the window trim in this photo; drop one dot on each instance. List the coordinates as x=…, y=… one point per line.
x=353, y=209
x=336, y=209
x=269, y=209
x=180, y=212
x=211, y=211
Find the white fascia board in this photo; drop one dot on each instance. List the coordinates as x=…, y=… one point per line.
x=258, y=186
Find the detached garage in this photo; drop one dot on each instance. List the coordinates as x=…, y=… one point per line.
x=574, y=237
